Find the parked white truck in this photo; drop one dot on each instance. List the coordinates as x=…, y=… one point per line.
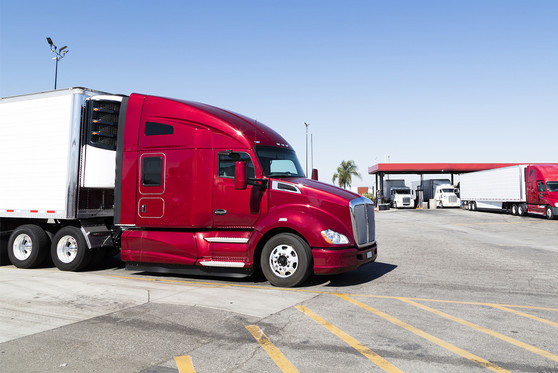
x=398, y=194
x=440, y=191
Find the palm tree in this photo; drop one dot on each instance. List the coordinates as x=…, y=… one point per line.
x=345, y=173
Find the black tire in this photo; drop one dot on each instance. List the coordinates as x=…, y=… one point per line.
x=286, y=260
x=521, y=210
x=28, y=246
x=514, y=210
x=549, y=214
x=69, y=250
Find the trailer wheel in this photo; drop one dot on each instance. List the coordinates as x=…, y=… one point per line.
x=28, y=246
x=549, y=213
x=69, y=250
x=286, y=260
x=521, y=210
x=514, y=209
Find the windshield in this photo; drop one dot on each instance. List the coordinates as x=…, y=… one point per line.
x=402, y=191
x=279, y=162
x=552, y=186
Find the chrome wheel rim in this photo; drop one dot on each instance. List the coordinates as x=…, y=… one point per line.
x=66, y=250
x=23, y=246
x=283, y=261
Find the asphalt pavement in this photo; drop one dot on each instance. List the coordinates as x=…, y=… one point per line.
x=451, y=291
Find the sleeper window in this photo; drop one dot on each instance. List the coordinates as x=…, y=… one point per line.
x=152, y=171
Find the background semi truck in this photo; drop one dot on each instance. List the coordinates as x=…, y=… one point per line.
x=175, y=185
x=440, y=191
x=397, y=194
x=520, y=189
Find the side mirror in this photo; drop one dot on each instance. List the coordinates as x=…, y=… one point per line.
x=315, y=174
x=240, y=180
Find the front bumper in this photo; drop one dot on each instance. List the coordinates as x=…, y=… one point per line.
x=331, y=261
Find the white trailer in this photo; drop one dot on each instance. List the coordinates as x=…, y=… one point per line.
x=58, y=172
x=494, y=189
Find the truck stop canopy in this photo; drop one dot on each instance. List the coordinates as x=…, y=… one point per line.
x=382, y=169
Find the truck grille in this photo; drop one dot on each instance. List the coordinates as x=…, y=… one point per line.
x=452, y=199
x=406, y=200
x=362, y=217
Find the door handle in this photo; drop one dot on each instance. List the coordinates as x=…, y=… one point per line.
x=143, y=209
x=220, y=212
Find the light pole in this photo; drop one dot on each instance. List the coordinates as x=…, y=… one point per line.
x=59, y=54
x=306, y=124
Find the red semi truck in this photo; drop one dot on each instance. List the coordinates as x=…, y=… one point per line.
x=520, y=189
x=177, y=186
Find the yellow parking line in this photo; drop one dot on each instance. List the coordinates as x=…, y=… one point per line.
x=184, y=364
x=479, y=328
x=371, y=355
x=448, y=346
x=497, y=306
x=282, y=362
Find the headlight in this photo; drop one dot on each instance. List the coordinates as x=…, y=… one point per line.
x=334, y=237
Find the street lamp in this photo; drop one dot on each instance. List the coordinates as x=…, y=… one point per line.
x=59, y=54
x=306, y=124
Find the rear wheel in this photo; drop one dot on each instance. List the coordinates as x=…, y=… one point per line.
x=286, y=260
x=69, y=250
x=28, y=246
x=521, y=210
x=514, y=209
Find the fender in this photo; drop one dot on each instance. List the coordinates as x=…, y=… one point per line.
x=307, y=220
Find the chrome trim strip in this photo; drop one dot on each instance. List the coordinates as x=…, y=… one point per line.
x=226, y=239
x=221, y=264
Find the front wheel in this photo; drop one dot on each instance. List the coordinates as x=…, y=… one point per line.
x=549, y=214
x=69, y=250
x=286, y=260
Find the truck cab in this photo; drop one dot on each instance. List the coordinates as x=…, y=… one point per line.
x=203, y=189
x=445, y=196
x=401, y=197
x=542, y=190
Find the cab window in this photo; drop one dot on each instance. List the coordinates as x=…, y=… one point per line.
x=227, y=163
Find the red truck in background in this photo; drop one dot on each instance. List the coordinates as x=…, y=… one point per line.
x=198, y=189
x=521, y=189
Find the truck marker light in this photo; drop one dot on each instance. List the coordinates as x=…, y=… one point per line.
x=282, y=219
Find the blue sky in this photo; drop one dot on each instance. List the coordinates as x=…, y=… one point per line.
x=420, y=81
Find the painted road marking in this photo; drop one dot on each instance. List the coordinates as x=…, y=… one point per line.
x=371, y=355
x=479, y=328
x=280, y=360
x=448, y=346
x=184, y=364
x=524, y=315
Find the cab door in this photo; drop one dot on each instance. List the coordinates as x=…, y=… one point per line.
x=234, y=208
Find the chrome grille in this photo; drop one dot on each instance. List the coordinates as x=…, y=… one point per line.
x=362, y=216
x=452, y=199
x=406, y=200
